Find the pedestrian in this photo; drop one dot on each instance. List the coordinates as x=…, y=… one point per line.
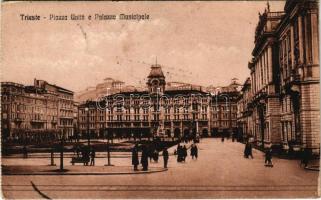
x=165, y=157
x=222, y=137
x=250, y=150
x=179, y=153
x=305, y=157
x=144, y=158
x=268, y=157
x=150, y=153
x=85, y=154
x=135, y=159
x=184, y=152
x=246, y=150
x=92, y=157
x=194, y=151
x=155, y=155
x=25, y=152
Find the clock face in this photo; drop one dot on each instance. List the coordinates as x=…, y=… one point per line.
x=155, y=82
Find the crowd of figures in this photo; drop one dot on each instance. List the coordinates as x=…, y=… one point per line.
x=181, y=152
x=148, y=155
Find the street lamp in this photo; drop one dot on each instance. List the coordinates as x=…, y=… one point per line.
x=108, y=149
x=88, y=134
x=62, y=151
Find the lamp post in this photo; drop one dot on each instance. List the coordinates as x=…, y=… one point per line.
x=62, y=152
x=52, y=161
x=88, y=134
x=108, y=149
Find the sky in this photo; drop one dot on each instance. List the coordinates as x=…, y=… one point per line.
x=204, y=43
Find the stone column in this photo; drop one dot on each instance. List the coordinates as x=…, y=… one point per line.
x=292, y=46
x=315, y=37
x=269, y=53
x=300, y=31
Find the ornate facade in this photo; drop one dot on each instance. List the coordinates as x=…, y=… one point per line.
x=284, y=102
x=161, y=111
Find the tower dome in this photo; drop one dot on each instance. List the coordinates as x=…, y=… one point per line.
x=156, y=71
x=156, y=79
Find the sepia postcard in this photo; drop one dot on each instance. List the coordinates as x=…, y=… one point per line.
x=160, y=99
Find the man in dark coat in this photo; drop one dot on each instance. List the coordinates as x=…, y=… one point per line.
x=155, y=155
x=92, y=156
x=86, y=155
x=305, y=157
x=246, y=150
x=25, y=152
x=150, y=150
x=184, y=152
x=144, y=158
x=250, y=150
x=135, y=159
x=179, y=153
x=165, y=157
x=268, y=157
x=194, y=151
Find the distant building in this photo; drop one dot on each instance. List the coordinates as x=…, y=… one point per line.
x=162, y=109
x=109, y=86
x=39, y=112
x=283, y=98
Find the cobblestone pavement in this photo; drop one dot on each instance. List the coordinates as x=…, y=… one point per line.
x=220, y=171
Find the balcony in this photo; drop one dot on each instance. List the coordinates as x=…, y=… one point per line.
x=38, y=121
x=66, y=117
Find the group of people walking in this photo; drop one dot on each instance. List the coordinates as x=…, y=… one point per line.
x=145, y=155
x=268, y=154
x=181, y=153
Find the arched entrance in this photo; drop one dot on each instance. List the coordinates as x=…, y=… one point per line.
x=177, y=132
x=168, y=133
x=205, y=132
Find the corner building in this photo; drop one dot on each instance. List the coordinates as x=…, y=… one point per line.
x=298, y=38
x=37, y=113
x=285, y=81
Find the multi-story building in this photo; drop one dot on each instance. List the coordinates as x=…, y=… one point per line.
x=167, y=111
x=298, y=37
x=264, y=104
x=37, y=112
x=284, y=102
x=244, y=112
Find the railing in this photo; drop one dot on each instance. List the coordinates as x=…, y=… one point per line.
x=275, y=14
